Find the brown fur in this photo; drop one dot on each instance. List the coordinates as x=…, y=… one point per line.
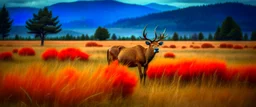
x=113, y=52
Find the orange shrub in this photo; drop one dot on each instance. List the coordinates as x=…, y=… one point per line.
x=183, y=47
x=191, y=46
x=15, y=51
x=50, y=54
x=172, y=46
x=207, y=45
x=67, y=87
x=165, y=46
x=6, y=56
x=72, y=54
x=27, y=52
x=196, y=47
x=254, y=47
x=93, y=44
x=187, y=69
x=238, y=47
x=245, y=46
x=169, y=55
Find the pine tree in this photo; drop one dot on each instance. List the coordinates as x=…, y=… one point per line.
x=42, y=24
x=113, y=37
x=175, y=36
x=230, y=26
x=253, y=36
x=181, y=39
x=245, y=37
x=185, y=38
x=17, y=37
x=133, y=37
x=5, y=22
x=210, y=37
x=194, y=37
x=217, y=34
x=101, y=33
x=83, y=37
x=200, y=36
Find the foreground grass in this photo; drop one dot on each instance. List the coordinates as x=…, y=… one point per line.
x=154, y=93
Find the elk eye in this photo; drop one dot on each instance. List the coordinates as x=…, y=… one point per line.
x=161, y=43
x=148, y=42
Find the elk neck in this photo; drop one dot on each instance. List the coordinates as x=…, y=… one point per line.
x=149, y=54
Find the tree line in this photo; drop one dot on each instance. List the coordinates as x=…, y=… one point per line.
x=43, y=23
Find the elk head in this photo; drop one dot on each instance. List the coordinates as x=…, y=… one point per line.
x=156, y=42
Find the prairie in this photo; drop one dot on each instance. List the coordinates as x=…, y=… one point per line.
x=160, y=93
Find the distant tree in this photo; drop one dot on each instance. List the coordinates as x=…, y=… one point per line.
x=185, y=38
x=101, y=33
x=119, y=38
x=245, y=37
x=68, y=37
x=175, y=36
x=194, y=37
x=5, y=22
x=253, y=36
x=133, y=37
x=92, y=37
x=230, y=30
x=113, y=37
x=86, y=37
x=83, y=37
x=17, y=37
x=210, y=37
x=42, y=24
x=200, y=36
x=181, y=39
x=217, y=35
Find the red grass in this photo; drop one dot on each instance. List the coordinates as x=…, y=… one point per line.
x=15, y=51
x=243, y=73
x=207, y=45
x=67, y=87
x=172, y=46
x=50, y=54
x=254, y=47
x=165, y=46
x=6, y=56
x=27, y=52
x=196, y=47
x=169, y=55
x=245, y=46
x=183, y=47
x=187, y=69
x=229, y=45
x=93, y=44
x=72, y=54
x=238, y=47
x=191, y=46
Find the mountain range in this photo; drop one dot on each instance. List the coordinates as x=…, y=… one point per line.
x=196, y=18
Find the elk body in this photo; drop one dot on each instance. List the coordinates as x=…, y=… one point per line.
x=138, y=56
x=112, y=53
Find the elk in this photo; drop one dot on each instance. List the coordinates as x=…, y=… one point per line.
x=112, y=53
x=138, y=56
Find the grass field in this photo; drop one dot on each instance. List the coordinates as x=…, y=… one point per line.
x=154, y=93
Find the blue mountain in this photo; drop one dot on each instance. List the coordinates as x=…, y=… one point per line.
x=161, y=7
x=196, y=18
x=94, y=13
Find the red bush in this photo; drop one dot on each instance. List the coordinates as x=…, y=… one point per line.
x=207, y=45
x=196, y=47
x=223, y=45
x=187, y=69
x=243, y=73
x=191, y=46
x=254, y=47
x=93, y=44
x=172, y=46
x=72, y=54
x=229, y=45
x=27, y=52
x=50, y=54
x=67, y=87
x=15, y=51
x=183, y=47
x=238, y=47
x=169, y=55
x=6, y=56
x=165, y=46
x=245, y=46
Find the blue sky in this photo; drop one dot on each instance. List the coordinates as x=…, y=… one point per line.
x=178, y=3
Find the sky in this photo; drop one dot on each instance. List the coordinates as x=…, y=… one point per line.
x=177, y=3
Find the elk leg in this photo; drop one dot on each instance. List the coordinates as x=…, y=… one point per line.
x=145, y=74
x=140, y=72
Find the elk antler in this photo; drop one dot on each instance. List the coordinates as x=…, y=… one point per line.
x=145, y=34
x=155, y=34
x=162, y=36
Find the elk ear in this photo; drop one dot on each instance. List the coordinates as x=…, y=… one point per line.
x=161, y=43
x=148, y=42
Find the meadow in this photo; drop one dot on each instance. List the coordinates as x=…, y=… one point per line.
x=200, y=92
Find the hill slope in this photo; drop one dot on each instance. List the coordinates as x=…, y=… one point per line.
x=161, y=7
x=196, y=18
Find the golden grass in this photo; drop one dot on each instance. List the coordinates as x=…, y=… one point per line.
x=154, y=93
